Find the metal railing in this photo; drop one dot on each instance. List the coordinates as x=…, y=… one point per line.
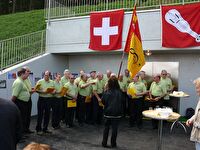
x=21, y=48
x=70, y=8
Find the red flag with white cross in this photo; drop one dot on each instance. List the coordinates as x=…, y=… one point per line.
x=106, y=30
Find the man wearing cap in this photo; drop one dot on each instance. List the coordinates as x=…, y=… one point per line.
x=71, y=95
x=46, y=91
x=97, y=109
x=21, y=96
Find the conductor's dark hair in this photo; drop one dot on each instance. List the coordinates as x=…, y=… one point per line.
x=113, y=83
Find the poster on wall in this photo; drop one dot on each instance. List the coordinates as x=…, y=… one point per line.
x=12, y=75
x=2, y=84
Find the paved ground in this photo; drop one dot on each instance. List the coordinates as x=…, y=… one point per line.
x=89, y=138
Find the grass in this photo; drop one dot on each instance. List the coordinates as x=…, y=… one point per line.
x=21, y=23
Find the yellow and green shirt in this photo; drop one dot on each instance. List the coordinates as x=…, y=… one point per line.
x=28, y=84
x=20, y=90
x=44, y=85
x=72, y=89
x=138, y=86
x=84, y=91
x=99, y=86
x=58, y=87
x=64, y=80
x=123, y=85
x=167, y=83
x=157, y=89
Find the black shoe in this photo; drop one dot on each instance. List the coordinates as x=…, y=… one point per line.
x=29, y=132
x=104, y=145
x=39, y=133
x=47, y=132
x=57, y=127
x=155, y=127
x=21, y=141
x=81, y=124
x=113, y=145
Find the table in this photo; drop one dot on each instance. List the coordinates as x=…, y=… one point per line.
x=154, y=115
x=177, y=121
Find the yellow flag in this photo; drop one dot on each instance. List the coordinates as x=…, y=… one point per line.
x=133, y=46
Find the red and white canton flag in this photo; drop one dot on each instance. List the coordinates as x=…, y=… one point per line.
x=106, y=30
x=181, y=26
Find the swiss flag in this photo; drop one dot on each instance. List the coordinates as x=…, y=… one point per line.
x=181, y=26
x=106, y=30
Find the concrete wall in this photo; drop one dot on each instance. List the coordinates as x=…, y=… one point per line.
x=37, y=65
x=72, y=35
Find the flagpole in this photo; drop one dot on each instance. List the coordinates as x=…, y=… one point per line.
x=120, y=66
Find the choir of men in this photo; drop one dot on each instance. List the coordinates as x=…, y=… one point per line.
x=82, y=96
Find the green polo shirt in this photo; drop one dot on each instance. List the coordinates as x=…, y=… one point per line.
x=72, y=89
x=77, y=80
x=126, y=80
x=138, y=86
x=28, y=84
x=143, y=81
x=64, y=80
x=84, y=91
x=157, y=89
x=123, y=85
x=58, y=87
x=20, y=90
x=167, y=83
x=99, y=86
x=105, y=79
x=44, y=86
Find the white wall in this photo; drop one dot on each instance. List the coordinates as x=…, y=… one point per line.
x=37, y=65
x=72, y=35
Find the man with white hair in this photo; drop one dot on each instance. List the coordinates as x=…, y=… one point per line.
x=65, y=79
x=167, y=83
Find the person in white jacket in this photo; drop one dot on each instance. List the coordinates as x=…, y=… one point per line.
x=195, y=119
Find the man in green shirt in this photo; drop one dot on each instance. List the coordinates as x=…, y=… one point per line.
x=57, y=102
x=64, y=80
x=137, y=102
x=167, y=83
x=97, y=110
x=85, y=92
x=156, y=93
x=46, y=92
x=106, y=76
x=142, y=75
x=21, y=96
x=71, y=95
x=28, y=84
x=123, y=86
